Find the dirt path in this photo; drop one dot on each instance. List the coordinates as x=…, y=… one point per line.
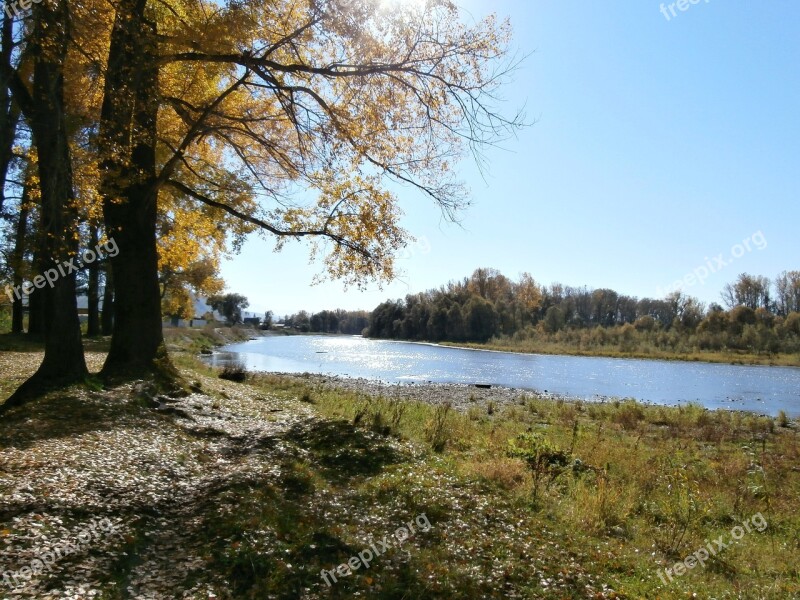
x=149, y=472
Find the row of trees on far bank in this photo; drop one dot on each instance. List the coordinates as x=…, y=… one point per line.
x=350, y=322
x=761, y=315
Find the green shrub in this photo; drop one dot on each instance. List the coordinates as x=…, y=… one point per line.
x=437, y=432
x=629, y=415
x=234, y=372
x=545, y=460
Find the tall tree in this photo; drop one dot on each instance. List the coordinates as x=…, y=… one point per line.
x=93, y=289
x=752, y=291
x=9, y=111
x=18, y=257
x=107, y=314
x=258, y=101
x=130, y=198
x=44, y=109
x=331, y=97
x=229, y=306
x=787, y=286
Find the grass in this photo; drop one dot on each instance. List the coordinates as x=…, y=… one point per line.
x=530, y=499
x=646, y=486
x=204, y=339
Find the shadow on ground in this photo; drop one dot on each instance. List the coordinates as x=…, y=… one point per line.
x=344, y=452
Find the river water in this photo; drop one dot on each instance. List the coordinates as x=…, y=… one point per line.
x=753, y=388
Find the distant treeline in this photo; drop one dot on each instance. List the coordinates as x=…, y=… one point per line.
x=761, y=315
x=350, y=322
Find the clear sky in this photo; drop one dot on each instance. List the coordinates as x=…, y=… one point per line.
x=658, y=146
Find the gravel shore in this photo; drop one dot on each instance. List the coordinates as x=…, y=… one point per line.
x=461, y=396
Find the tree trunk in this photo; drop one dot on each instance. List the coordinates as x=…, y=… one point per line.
x=107, y=315
x=130, y=197
x=36, y=308
x=17, y=259
x=63, y=362
x=93, y=291
x=17, y=316
x=9, y=113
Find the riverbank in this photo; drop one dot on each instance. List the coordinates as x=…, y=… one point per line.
x=251, y=490
x=760, y=389
x=625, y=490
x=733, y=358
x=460, y=397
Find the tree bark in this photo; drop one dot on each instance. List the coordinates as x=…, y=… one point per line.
x=63, y=362
x=107, y=315
x=17, y=259
x=36, y=309
x=93, y=291
x=9, y=112
x=130, y=196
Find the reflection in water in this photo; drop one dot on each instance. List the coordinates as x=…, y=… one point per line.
x=756, y=388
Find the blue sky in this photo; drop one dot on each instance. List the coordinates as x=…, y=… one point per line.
x=658, y=145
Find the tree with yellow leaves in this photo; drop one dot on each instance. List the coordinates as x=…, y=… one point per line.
x=41, y=100
x=298, y=98
x=284, y=117
x=191, y=243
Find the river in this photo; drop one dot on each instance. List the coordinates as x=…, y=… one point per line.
x=761, y=389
